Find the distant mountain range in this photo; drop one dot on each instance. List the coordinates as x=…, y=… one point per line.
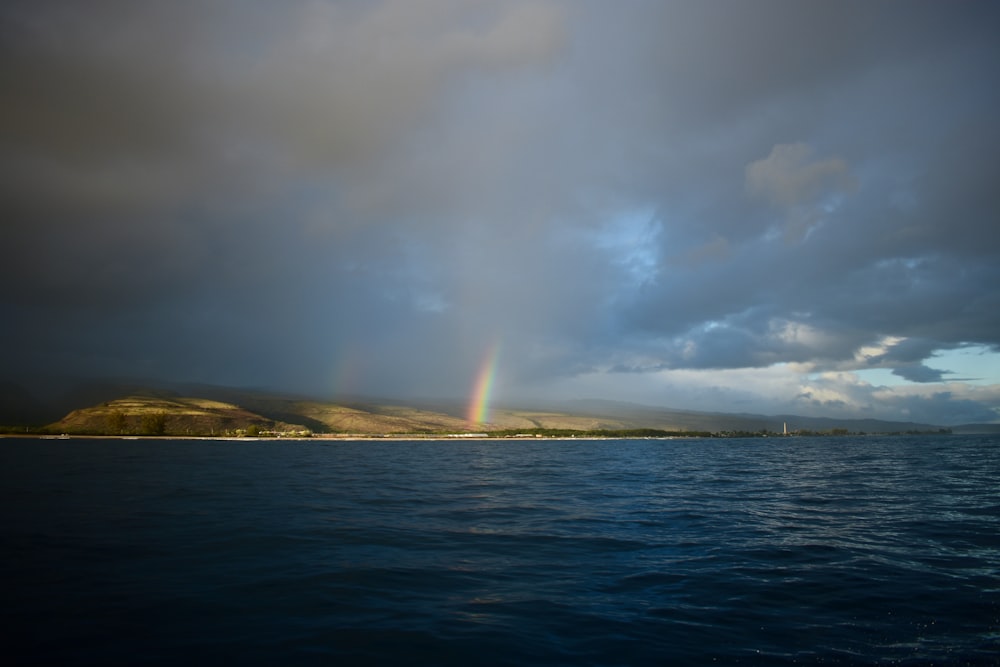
x=135, y=408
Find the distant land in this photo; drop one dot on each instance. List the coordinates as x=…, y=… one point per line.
x=207, y=410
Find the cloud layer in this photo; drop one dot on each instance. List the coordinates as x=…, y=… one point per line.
x=653, y=201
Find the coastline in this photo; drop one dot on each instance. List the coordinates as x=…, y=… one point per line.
x=334, y=438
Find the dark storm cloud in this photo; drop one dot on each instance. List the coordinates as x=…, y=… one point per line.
x=920, y=373
x=366, y=196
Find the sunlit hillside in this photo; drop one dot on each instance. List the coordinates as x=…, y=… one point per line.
x=231, y=412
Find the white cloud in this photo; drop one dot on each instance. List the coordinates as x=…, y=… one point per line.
x=604, y=187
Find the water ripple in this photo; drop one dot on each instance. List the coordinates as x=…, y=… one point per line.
x=790, y=551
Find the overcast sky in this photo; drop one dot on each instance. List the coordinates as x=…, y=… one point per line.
x=742, y=206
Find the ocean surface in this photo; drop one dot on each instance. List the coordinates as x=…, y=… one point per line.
x=778, y=551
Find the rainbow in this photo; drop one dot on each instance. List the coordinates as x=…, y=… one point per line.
x=479, y=404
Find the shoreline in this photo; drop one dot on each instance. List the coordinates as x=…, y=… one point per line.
x=333, y=438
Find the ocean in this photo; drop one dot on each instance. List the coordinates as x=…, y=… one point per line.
x=771, y=551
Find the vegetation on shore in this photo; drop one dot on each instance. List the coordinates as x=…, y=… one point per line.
x=660, y=433
x=169, y=416
x=249, y=414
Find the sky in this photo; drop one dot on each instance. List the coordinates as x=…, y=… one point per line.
x=777, y=207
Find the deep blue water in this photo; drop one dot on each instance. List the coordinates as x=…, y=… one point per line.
x=619, y=552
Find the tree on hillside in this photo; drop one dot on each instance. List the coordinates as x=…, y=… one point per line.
x=116, y=422
x=154, y=424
